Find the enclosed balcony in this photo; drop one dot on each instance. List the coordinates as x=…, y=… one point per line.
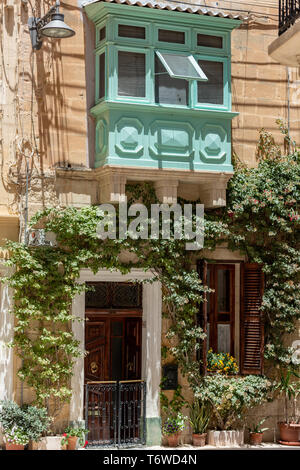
x=162, y=99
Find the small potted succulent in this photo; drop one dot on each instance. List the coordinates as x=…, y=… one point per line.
x=172, y=427
x=200, y=414
x=72, y=436
x=256, y=432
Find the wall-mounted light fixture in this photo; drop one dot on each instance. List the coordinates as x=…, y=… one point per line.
x=52, y=25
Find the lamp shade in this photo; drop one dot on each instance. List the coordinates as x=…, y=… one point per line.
x=57, y=28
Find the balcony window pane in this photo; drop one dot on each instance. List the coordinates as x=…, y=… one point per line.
x=126, y=31
x=131, y=74
x=211, y=92
x=169, y=90
x=167, y=35
x=102, y=33
x=101, y=76
x=181, y=66
x=206, y=40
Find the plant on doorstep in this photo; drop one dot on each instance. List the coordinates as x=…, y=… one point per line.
x=73, y=435
x=21, y=425
x=289, y=386
x=230, y=399
x=172, y=427
x=173, y=419
x=256, y=432
x=200, y=415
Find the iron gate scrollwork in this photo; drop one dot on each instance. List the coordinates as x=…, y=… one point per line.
x=115, y=413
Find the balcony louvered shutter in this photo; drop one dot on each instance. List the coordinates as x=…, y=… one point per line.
x=252, y=334
x=202, y=317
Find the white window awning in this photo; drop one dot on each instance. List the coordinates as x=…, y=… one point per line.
x=181, y=66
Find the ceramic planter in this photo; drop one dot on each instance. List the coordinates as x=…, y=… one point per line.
x=226, y=438
x=199, y=440
x=173, y=440
x=46, y=443
x=289, y=433
x=11, y=446
x=256, y=438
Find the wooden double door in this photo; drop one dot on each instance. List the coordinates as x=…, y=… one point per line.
x=113, y=341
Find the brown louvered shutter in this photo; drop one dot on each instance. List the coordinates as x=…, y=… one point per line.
x=202, y=317
x=252, y=334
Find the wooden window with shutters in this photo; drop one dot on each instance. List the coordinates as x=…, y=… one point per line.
x=217, y=313
x=251, y=319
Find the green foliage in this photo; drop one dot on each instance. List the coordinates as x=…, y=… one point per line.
x=200, y=415
x=74, y=431
x=45, y=282
x=289, y=387
x=256, y=428
x=23, y=422
x=231, y=397
x=262, y=221
x=173, y=406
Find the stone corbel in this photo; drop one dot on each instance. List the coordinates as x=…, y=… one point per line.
x=112, y=188
x=166, y=190
x=213, y=193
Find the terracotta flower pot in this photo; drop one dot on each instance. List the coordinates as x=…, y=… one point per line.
x=256, y=438
x=289, y=433
x=199, y=440
x=12, y=446
x=72, y=441
x=173, y=440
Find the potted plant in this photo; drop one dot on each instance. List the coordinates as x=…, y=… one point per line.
x=289, y=430
x=72, y=436
x=173, y=418
x=200, y=414
x=230, y=398
x=22, y=424
x=172, y=426
x=15, y=438
x=256, y=432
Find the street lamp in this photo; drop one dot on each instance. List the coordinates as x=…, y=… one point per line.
x=51, y=25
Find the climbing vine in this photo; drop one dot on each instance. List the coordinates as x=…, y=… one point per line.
x=261, y=220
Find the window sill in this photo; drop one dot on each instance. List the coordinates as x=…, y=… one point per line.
x=161, y=108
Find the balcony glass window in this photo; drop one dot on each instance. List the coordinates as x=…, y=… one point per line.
x=127, y=31
x=168, y=35
x=211, y=91
x=131, y=74
x=181, y=66
x=169, y=90
x=101, y=75
x=206, y=40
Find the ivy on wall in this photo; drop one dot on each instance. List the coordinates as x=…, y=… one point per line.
x=261, y=220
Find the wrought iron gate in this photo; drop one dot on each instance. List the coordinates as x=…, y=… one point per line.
x=115, y=413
